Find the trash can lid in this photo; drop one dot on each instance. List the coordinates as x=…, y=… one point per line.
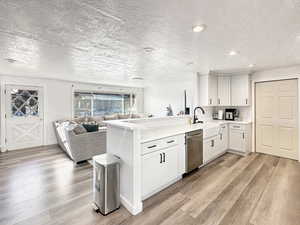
x=106, y=159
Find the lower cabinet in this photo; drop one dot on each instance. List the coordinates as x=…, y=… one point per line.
x=239, y=138
x=209, y=148
x=160, y=168
x=223, y=139
x=216, y=145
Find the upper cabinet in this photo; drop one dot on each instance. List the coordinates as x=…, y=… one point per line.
x=240, y=90
x=208, y=88
x=224, y=90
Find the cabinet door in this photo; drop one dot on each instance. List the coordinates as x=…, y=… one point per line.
x=170, y=165
x=158, y=169
x=223, y=136
x=237, y=140
x=224, y=90
x=212, y=90
x=152, y=172
x=240, y=86
x=210, y=147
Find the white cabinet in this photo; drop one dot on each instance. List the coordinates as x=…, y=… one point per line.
x=240, y=90
x=224, y=90
x=163, y=162
x=209, y=148
x=223, y=139
x=239, y=138
x=208, y=88
x=158, y=169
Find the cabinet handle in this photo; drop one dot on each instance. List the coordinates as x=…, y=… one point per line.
x=246, y=101
x=212, y=143
x=210, y=101
x=243, y=135
x=169, y=142
x=160, y=158
x=164, y=159
x=219, y=101
x=152, y=146
x=221, y=136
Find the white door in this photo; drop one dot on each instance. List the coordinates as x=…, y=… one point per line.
x=224, y=90
x=277, y=118
x=24, y=117
x=240, y=90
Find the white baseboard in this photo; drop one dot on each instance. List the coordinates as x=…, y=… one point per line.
x=134, y=210
x=161, y=188
x=237, y=152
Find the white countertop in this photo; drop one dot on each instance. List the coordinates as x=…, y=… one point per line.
x=167, y=131
x=157, y=128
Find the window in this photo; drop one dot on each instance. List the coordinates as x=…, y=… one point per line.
x=24, y=103
x=99, y=104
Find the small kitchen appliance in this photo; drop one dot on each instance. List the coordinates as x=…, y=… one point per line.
x=230, y=114
x=220, y=114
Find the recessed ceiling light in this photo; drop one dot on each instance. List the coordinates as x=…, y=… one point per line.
x=148, y=49
x=199, y=28
x=10, y=60
x=232, y=53
x=190, y=63
x=251, y=65
x=298, y=37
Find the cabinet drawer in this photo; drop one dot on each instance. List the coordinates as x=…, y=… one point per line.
x=171, y=141
x=152, y=146
x=156, y=145
x=237, y=126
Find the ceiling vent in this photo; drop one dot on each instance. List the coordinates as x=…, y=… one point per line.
x=148, y=49
x=137, y=78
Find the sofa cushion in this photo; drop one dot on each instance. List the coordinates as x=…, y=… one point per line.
x=79, y=129
x=136, y=116
x=111, y=117
x=123, y=116
x=91, y=127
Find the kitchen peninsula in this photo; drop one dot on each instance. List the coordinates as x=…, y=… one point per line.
x=153, y=153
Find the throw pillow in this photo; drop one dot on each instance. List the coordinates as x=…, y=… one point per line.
x=91, y=127
x=79, y=129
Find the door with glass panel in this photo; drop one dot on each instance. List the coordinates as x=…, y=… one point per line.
x=24, y=117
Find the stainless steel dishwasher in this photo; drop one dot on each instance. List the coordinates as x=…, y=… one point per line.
x=194, y=150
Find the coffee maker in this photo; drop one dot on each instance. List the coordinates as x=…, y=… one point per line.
x=231, y=114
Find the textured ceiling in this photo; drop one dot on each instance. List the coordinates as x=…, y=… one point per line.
x=104, y=40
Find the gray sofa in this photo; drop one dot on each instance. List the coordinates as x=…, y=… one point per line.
x=79, y=147
x=83, y=146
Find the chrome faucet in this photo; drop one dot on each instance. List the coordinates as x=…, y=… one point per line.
x=195, y=117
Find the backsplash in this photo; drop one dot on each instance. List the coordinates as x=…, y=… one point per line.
x=244, y=111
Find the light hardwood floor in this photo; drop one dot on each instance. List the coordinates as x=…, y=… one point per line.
x=43, y=187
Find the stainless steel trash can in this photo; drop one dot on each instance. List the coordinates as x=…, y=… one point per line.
x=106, y=183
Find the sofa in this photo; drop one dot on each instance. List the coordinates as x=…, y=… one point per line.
x=83, y=145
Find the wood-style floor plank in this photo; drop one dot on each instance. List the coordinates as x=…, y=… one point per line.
x=42, y=186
